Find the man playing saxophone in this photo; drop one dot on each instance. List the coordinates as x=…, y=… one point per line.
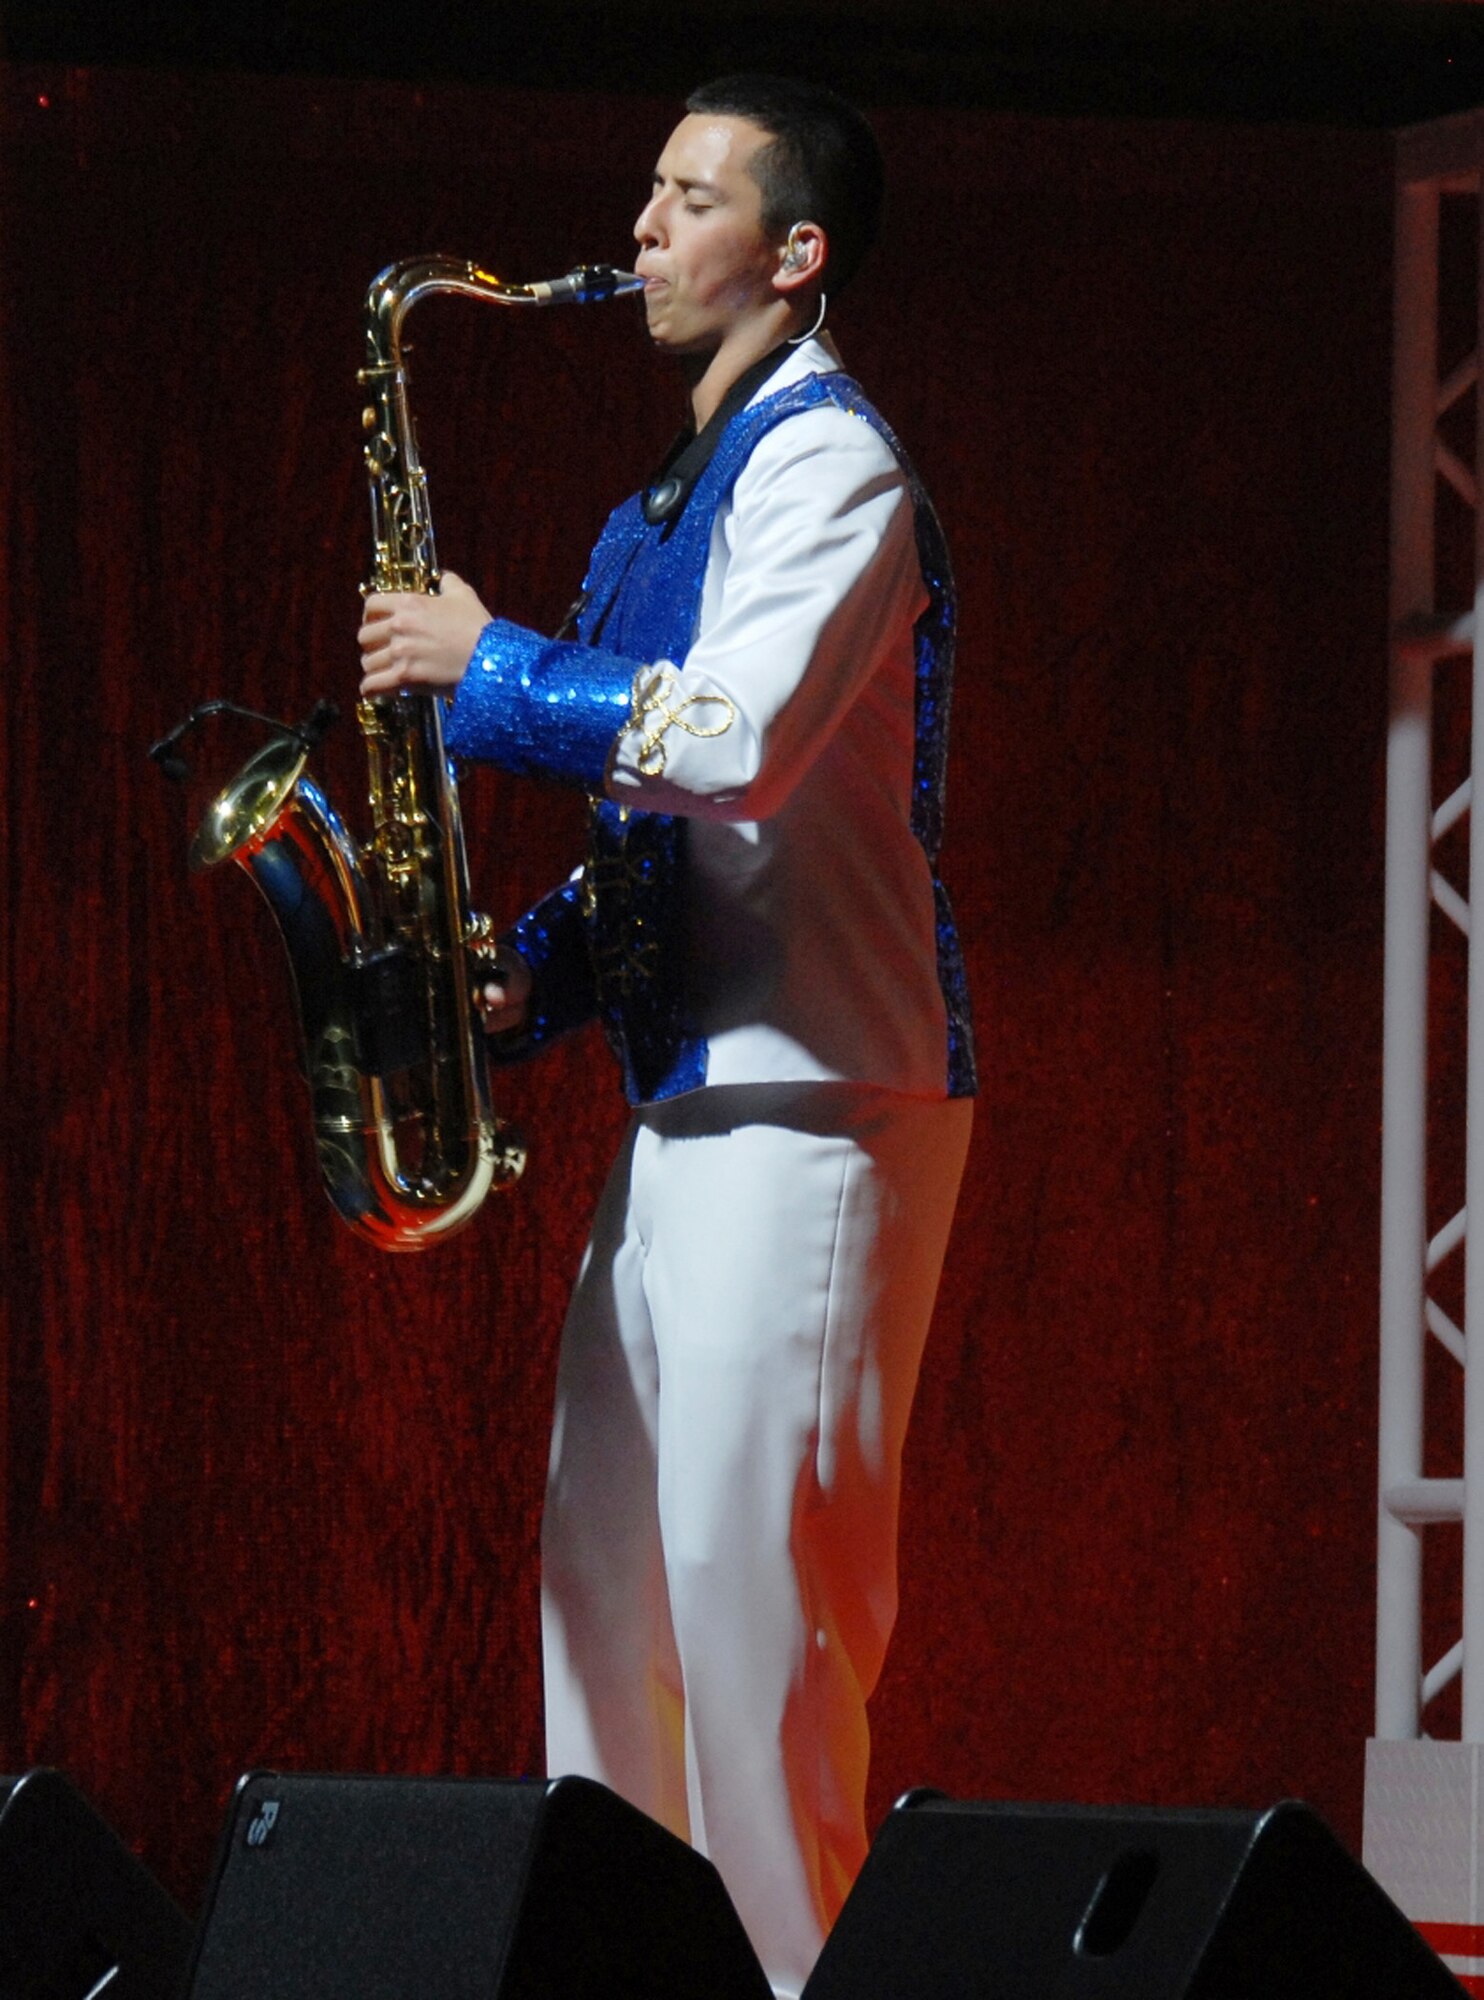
x=758, y=701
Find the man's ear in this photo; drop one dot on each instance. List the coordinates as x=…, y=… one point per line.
x=802, y=258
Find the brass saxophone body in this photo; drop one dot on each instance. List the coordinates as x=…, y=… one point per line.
x=382, y=944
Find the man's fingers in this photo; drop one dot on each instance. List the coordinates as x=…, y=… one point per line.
x=498, y=1019
x=386, y=680
x=502, y=999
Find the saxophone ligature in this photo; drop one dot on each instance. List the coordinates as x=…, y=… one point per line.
x=384, y=949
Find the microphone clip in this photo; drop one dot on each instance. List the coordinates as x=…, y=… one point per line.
x=309, y=732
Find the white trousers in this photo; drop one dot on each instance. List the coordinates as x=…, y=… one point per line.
x=719, y=1542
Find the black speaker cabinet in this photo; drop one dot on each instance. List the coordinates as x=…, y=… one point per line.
x=79, y=1916
x=367, y=1888
x=1027, y=1902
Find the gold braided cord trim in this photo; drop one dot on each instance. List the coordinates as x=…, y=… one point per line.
x=656, y=712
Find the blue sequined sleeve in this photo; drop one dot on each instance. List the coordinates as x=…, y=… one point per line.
x=552, y=939
x=541, y=708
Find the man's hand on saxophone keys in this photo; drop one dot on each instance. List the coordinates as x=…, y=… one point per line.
x=408, y=640
x=503, y=995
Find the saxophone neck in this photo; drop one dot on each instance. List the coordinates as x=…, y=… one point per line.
x=397, y=288
x=404, y=556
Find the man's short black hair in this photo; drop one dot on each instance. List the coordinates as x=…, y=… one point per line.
x=823, y=163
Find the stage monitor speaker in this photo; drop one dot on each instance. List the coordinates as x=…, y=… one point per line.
x=80, y=1917
x=371, y=1888
x=1033, y=1902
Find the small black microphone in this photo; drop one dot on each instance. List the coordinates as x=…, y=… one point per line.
x=317, y=723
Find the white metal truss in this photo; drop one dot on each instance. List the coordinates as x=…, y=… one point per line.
x=1435, y=163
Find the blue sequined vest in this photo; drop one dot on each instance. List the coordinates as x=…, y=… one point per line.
x=643, y=592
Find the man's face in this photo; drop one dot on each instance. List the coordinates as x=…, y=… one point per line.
x=707, y=263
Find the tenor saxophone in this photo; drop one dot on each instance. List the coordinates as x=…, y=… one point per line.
x=383, y=947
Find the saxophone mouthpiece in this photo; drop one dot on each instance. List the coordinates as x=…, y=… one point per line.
x=587, y=285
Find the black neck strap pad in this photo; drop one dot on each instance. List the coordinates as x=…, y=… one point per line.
x=692, y=451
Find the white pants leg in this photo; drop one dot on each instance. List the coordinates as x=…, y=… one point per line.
x=719, y=1544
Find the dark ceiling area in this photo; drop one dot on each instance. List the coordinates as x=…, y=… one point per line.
x=1373, y=63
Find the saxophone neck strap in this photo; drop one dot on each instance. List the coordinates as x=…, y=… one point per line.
x=693, y=450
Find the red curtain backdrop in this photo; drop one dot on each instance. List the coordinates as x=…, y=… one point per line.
x=270, y=1497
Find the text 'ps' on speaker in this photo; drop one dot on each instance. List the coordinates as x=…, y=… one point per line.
x=80, y=1917
x=375, y=1888
x=961, y=1901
